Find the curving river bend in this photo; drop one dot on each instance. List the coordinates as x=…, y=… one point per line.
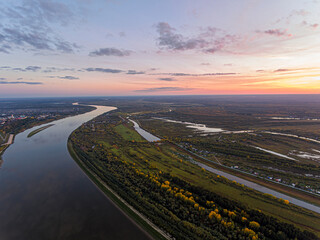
x=45, y=195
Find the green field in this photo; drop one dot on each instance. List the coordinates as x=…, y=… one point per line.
x=128, y=133
x=119, y=146
x=239, y=150
x=161, y=157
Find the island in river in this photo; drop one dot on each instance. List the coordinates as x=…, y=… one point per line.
x=39, y=130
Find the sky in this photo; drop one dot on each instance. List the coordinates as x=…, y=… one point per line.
x=168, y=47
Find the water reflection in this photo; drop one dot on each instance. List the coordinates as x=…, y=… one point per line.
x=146, y=135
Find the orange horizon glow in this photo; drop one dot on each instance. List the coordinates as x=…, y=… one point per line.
x=178, y=48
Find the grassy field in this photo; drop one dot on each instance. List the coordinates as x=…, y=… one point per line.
x=302, y=128
x=308, y=197
x=128, y=133
x=285, y=145
x=161, y=157
x=167, y=158
x=238, y=150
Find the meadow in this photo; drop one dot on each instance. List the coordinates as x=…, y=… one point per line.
x=181, y=198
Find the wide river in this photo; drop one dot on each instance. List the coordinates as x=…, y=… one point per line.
x=45, y=195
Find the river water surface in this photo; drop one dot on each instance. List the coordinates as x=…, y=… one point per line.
x=45, y=195
x=146, y=135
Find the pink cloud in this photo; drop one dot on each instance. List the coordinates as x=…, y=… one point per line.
x=277, y=32
x=313, y=26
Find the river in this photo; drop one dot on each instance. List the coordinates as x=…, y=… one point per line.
x=45, y=195
x=146, y=135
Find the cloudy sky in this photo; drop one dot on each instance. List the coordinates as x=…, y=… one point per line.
x=143, y=47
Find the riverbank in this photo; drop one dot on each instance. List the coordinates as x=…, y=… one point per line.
x=128, y=210
x=4, y=146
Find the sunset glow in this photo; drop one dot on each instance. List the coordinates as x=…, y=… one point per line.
x=82, y=48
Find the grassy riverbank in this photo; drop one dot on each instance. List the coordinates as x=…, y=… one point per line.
x=151, y=174
x=5, y=146
x=2, y=149
x=39, y=130
x=117, y=200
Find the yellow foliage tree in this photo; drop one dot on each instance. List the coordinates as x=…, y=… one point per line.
x=254, y=225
